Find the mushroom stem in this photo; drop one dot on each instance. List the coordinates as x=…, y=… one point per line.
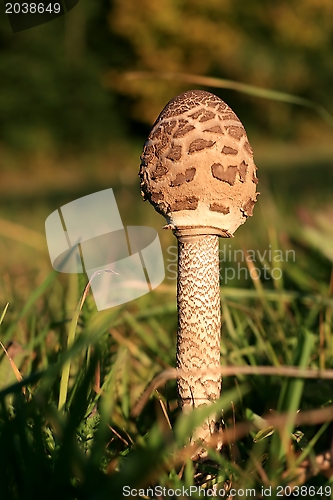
x=199, y=324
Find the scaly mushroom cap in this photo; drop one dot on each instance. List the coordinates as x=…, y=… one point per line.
x=197, y=166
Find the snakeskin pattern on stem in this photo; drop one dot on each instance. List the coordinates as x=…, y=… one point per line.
x=199, y=324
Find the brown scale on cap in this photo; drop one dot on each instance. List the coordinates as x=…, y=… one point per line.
x=197, y=165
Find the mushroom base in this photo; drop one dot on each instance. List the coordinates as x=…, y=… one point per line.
x=199, y=325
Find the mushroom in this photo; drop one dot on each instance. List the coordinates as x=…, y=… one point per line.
x=197, y=170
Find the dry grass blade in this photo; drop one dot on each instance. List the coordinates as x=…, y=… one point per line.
x=14, y=367
x=4, y=313
x=227, y=371
x=222, y=83
x=308, y=417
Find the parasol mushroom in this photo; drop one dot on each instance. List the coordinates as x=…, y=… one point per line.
x=197, y=170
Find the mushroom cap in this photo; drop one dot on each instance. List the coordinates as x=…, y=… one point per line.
x=197, y=166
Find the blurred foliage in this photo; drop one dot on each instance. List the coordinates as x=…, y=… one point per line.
x=50, y=91
x=62, y=83
x=284, y=45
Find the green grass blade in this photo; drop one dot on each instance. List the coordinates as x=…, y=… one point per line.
x=36, y=294
x=289, y=400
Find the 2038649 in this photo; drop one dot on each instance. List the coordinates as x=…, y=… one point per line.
x=304, y=491
x=32, y=8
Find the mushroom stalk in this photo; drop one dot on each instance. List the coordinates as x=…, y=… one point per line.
x=199, y=324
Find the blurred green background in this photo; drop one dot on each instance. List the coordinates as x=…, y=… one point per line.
x=78, y=96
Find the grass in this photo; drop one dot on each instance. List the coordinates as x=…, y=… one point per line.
x=71, y=378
